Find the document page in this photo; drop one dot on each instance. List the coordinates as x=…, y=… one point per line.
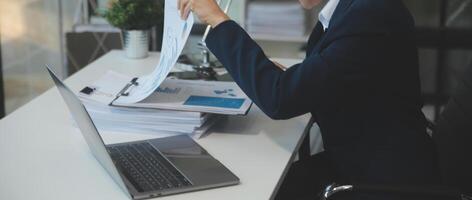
x=173, y=94
x=198, y=96
x=176, y=32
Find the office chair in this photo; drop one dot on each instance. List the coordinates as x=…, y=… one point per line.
x=452, y=136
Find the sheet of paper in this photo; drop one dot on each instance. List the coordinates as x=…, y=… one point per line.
x=106, y=88
x=176, y=32
x=198, y=96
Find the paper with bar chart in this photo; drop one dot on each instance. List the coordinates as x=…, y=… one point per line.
x=176, y=32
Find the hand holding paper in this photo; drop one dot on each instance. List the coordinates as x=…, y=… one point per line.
x=176, y=32
x=207, y=11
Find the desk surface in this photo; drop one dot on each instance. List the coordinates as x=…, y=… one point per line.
x=42, y=156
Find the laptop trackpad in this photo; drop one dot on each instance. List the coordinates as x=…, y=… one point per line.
x=194, y=161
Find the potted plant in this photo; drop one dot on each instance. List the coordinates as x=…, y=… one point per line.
x=135, y=18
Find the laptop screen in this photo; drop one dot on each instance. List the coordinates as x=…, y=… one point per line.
x=88, y=130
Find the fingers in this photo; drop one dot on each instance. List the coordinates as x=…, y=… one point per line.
x=186, y=10
x=181, y=4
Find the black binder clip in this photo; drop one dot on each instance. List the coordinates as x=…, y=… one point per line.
x=125, y=90
x=87, y=90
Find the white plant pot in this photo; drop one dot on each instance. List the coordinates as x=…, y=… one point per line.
x=136, y=43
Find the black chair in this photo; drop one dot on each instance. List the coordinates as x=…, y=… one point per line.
x=453, y=139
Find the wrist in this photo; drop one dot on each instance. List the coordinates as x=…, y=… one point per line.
x=218, y=19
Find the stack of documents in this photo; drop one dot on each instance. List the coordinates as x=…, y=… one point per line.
x=276, y=18
x=177, y=106
x=149, y=121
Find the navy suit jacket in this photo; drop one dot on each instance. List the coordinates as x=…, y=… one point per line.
x=360, y=81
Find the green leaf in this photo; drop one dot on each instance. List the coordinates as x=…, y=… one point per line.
x=135, y=14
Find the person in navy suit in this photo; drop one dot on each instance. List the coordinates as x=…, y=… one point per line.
x=359, y=80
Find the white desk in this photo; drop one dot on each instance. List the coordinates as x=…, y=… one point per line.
x=42, y=156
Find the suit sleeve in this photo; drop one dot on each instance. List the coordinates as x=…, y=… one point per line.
x=279, y=94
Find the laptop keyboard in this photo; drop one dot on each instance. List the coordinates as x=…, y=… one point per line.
x=146, y=168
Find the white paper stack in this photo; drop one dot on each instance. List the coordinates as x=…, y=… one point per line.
x=276, y=18
x=149, y=121
x=177, y=106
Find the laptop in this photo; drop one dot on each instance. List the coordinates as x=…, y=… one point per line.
x=149, y=168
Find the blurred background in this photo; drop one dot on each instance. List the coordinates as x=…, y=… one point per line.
x=69, y=34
